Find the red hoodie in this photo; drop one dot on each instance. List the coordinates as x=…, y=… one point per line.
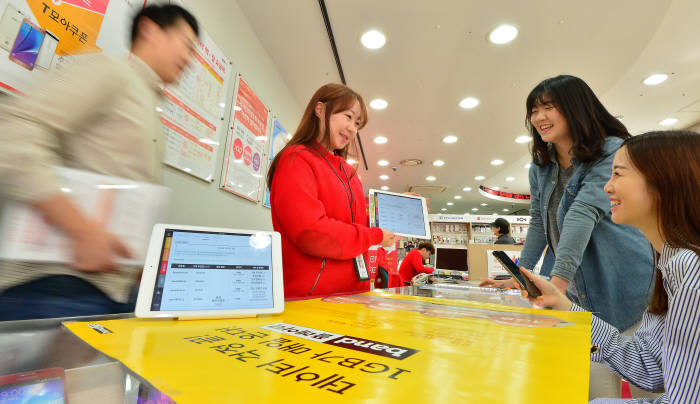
x=311, y=209
x=412, y=265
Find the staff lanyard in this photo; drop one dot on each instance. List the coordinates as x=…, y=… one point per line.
x=348, y=188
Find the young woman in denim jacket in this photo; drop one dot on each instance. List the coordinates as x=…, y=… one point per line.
x=604, y=267
x=654, y=187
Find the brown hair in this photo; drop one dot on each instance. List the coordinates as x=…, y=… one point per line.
x=337, y=97
x=669, y=162
x=428, y=246
x=588, y=120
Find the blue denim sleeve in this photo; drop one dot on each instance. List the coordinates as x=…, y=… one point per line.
x=536, y=240
x=590, y=205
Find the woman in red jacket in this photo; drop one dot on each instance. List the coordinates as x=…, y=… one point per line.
x=317, y=200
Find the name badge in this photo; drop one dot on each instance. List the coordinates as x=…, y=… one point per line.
x=361, y=268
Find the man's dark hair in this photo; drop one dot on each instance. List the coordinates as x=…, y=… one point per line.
x=502, y=224
x=164, y=16
x=428, y=246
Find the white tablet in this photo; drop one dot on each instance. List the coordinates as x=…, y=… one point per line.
x=404, y=215
x=208, y=272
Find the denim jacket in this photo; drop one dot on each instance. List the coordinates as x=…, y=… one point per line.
x=611, y=265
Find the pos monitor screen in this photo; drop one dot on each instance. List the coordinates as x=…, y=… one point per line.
x=453, y=259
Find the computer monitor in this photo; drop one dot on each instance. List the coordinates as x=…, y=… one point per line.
x=453, y=259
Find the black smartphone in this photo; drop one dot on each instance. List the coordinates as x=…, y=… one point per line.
x=513, y=269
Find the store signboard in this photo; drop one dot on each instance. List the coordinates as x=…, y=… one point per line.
x=373, y=347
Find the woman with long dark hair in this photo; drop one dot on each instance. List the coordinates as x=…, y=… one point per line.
x=602, y=266
x=654, y=187
x=317, y=200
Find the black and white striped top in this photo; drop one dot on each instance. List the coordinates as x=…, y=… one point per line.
x=664, y=353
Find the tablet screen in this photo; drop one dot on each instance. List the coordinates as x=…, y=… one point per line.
x=400, y=214
x=201, y=270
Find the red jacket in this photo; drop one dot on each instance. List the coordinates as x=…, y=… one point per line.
x=311, y=209
x=412, y=265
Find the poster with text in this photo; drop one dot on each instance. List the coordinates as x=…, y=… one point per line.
x=242, y=170
x=279, y=139
x=193, y=111
x=38, y=36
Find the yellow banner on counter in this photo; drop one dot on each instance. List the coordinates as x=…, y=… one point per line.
x=374, y=347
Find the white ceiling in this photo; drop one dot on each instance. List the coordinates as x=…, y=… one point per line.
x=437, y=53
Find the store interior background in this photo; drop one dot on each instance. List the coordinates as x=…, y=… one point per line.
x=437, y=54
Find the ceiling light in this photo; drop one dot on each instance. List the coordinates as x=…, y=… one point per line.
x=503, y=34
x=506, y=210
x=469, y=103
x=384, y=177
x=236, y=108
x=496, y=162
x=380, y=140
x=450, y=203
x=523, y=139
x=475, y=209
x=510, y=179
x=484, y=204
x=430, y=178
x=479, y=178
x=385, y=188
x=668, y=121
x=438, y=163
x=444, y=209
x=619, y=117
x=458, y=196
x=655, y=79
x=449, y=139
x=351, y=161
x=378, y=104
x=496, y=188
x=383, y=163
x=527, y=165
x=373, y=39
x=467, y=189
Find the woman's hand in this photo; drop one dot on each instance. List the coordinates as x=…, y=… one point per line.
x=498, y=284
x=388, y=238
x=551, y=295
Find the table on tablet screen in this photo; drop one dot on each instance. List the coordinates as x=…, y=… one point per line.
x=210, y=271
x=400, y=214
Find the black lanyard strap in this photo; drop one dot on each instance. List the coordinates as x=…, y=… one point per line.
x=348, y=188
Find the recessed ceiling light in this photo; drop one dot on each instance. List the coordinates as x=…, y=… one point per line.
x=620, y=117
x=668, y=121
x=510, y=179
x=351, y=161
x=383, y=163
x=655, y=79
x=438, y=163
x=444, y=209
x=506, y=210
x=450, y=203
x=484, y=204
x=479, y=178
x=467, y=189
x=385, y=188
x=430, y=178
x=503, y=34
x=469, y=103
x=523, y=139
x=449, y=139
x=527, y=165
x=458, y=196
x=496, y=188
x=378, y=104
x=496, y=162
x=380, y=140
x=475, y=209
x=383, y=177
x=373, y=39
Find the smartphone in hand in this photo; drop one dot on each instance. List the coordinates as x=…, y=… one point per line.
x=513, y=269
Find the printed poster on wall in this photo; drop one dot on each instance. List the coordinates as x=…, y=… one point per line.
x=37, y=36
x=279, y=139
x=242, y=170
x=193, y=111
